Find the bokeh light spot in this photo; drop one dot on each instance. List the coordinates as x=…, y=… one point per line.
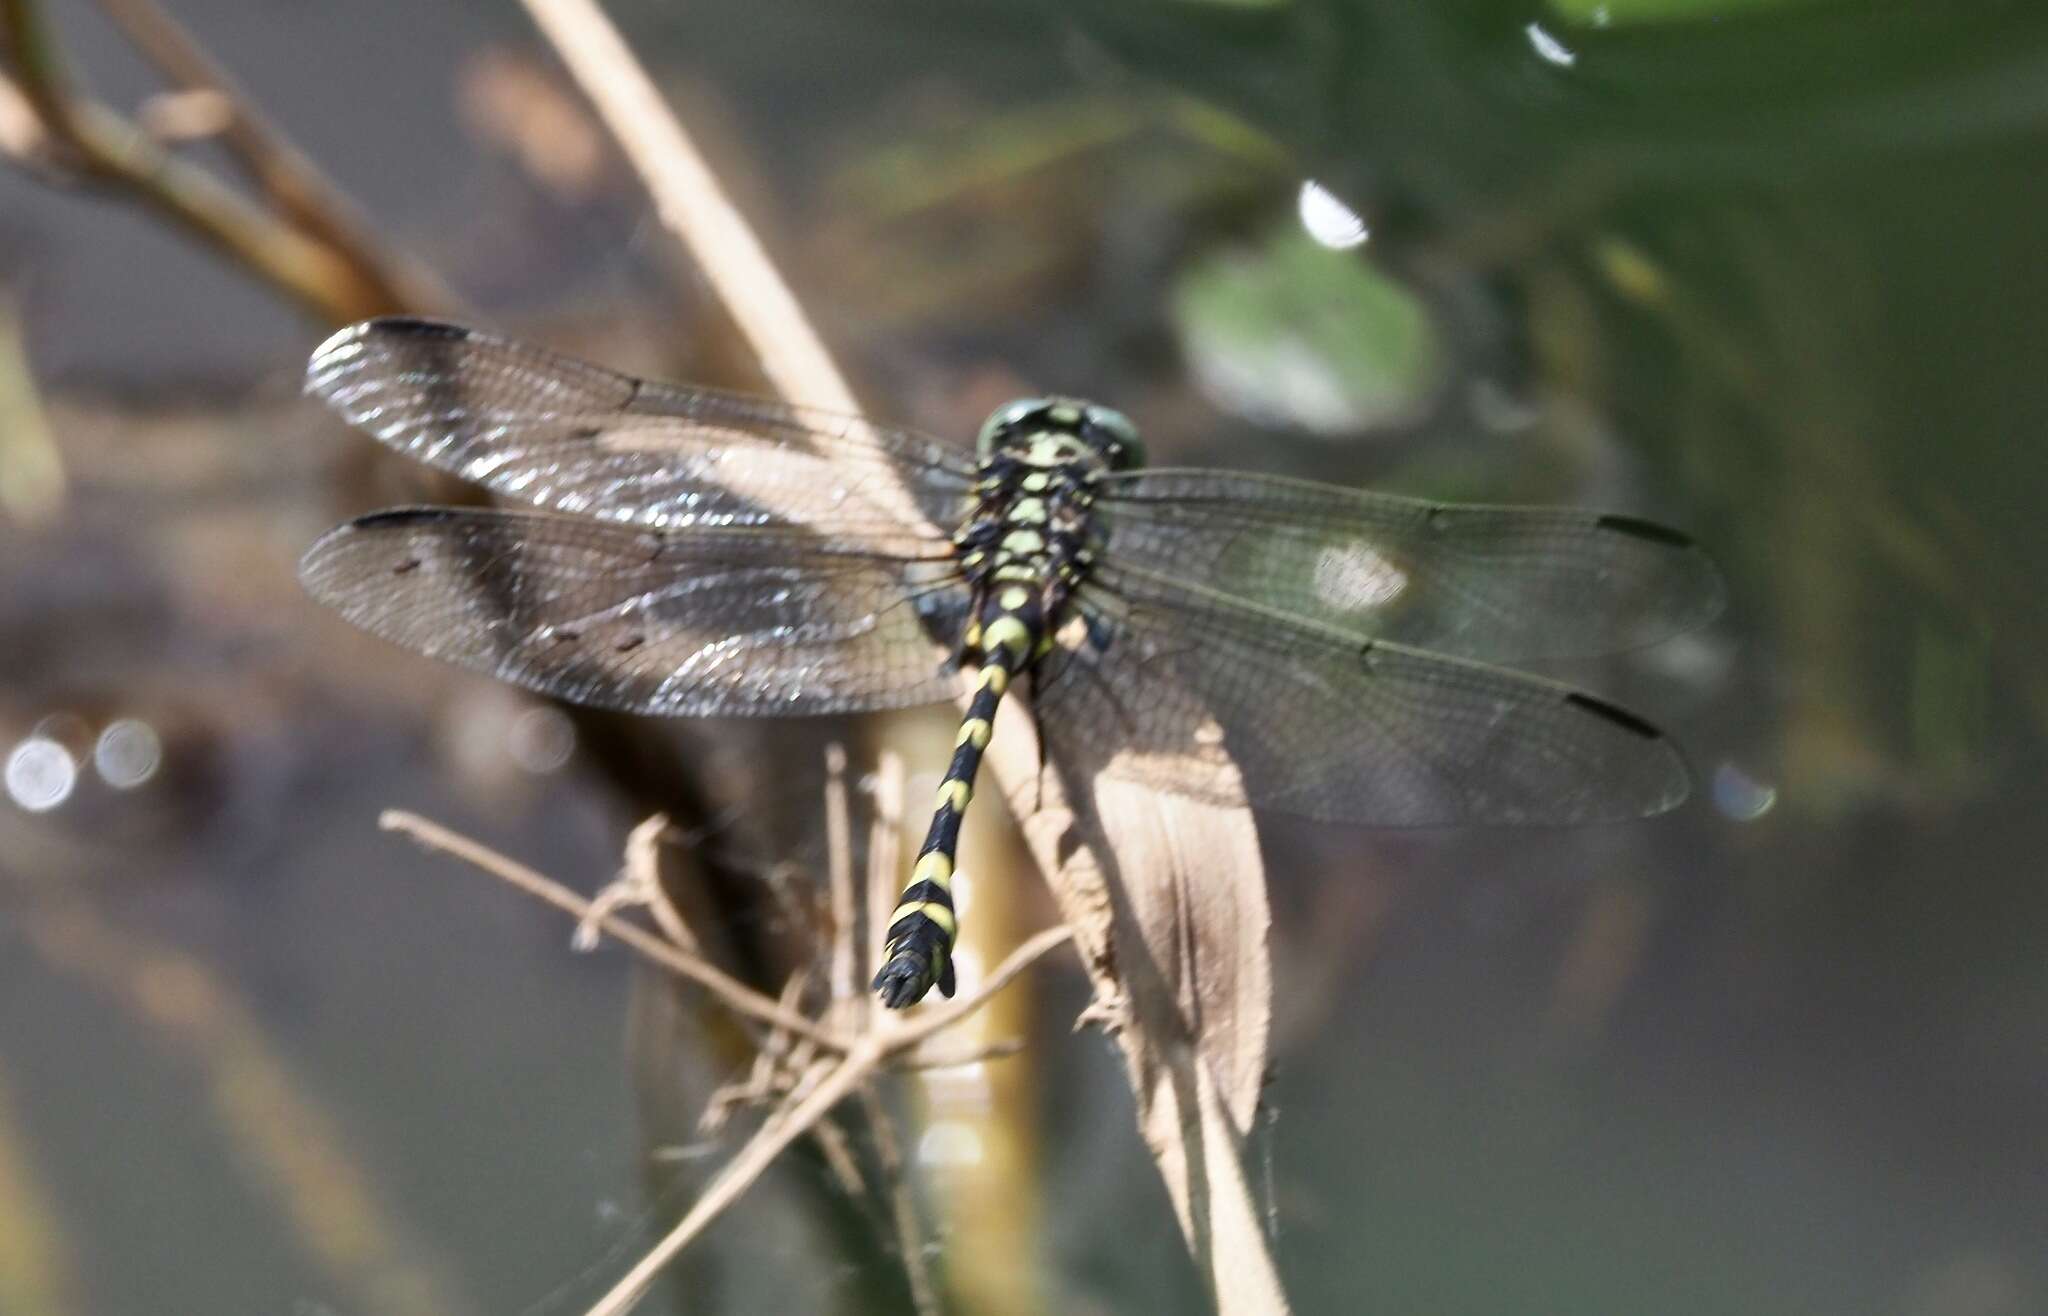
x=1549, y=48
x=40, y=774
x=1328, y=220
x=1739, y=796
x=127, y=753
x=541, y=740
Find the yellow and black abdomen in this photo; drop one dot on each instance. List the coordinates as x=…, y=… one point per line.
x=1020, y=555
x=919, y=949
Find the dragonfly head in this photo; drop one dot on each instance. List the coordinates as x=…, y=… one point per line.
x=1101, y=430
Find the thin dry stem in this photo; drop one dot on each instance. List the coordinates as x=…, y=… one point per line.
x=691, y=203
x=775, y=1061
x=847, y=942
x=291, y=181
x=885, y=853
x=839, y=874
x=868, y=1054
x=639, y=884
x=740, y=997
x=789, y=1049
x=21, y=130
x=105, y=147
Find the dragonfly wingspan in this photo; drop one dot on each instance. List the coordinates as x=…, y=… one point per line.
x=1232, y=637
x=550, y=431
x=1189, y=691
x=705, y=623
x=1500, y=584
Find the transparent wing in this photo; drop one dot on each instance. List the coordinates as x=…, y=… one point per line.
x=1501, y=584
x=1186, y=690
x=704, y=622
x=538, y=428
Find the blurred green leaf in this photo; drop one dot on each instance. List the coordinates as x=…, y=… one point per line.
x=1296, y=334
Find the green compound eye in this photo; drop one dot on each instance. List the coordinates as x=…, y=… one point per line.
x=1126, y=449
x=1003, y=418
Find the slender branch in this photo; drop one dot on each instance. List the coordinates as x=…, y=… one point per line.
x=689, y=200
x=885, y=857
x=643, y=871
x=869, y=1052
x=819, y=1085
x=738, y=1175
x=736, y=994
x=774, y=1061
x=848, y=944
x=287, y=176
x=21, y=129
x=839, y=875
x=104, y=147
x=32, y=479
x=33, y=49
x=932, y=1019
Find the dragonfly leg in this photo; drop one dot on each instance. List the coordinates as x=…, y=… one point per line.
x=1100, y=633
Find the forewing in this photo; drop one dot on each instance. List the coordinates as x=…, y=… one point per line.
x=1177, y=686
x=708, y=622
x=1500, y=584
x=547, y=430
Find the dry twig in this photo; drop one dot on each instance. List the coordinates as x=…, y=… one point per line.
x=869, y=1054
x=693, y=205
x=332, y=268
x=639, y=885
x=741, y=998
x=291, y=181
x=811, y=1086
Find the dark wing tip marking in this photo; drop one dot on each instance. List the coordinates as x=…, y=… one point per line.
x=1614, y=713
x=417, y=325
x=1650, y=530
x=403, y=516
x=1689, y=572
x=1673, y=774
x=320, y=376
x=316, y=556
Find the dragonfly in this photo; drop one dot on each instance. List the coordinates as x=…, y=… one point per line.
x=1238, y=638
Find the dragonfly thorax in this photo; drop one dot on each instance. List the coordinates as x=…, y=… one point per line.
x=1055, y=430
x=1030, y=533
